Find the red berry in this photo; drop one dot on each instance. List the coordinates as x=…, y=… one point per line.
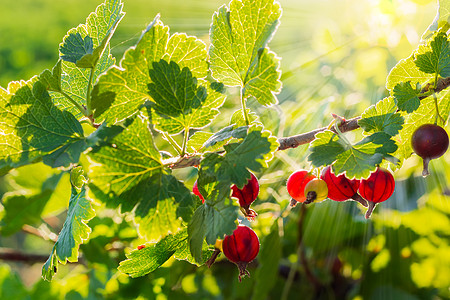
x=377, y=188
x=296, y=185
x=247, y=195
x=429, y=141
x=340, y=188
x=141, y=247
x=197, y=192
x=241, y=248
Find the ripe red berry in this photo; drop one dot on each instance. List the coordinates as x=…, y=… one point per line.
x=429, y=141
x=340, y=188
x=247, y=195
x=241, y=248
x=141, y=247
x=296, y=185
x=377, y=188
x=197, y=192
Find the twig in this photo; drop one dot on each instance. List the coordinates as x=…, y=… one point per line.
x=14, y=255
x=285, y=143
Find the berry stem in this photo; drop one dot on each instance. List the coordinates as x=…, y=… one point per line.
x=213, y=258
x=357, y=197
x=370, y=209
x=426, y=161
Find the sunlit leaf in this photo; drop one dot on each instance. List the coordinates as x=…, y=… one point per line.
x=31, y=126
x=237, y=53
x=381, y=117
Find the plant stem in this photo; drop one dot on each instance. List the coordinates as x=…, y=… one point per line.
x=173, y=143
x=438, y=116
x=77, y=105
x=88, y=93
x=244, y=109
x=185, y=140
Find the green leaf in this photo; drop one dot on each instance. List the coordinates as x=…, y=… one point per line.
x=179, y=102
x=255, y=151
x=122, y=90
x=164, y=207
x=21, y=209
x=357, y=160
x=269, y=258
x=52, y=79
x=196, y=141
x=119, y=170
x=238, y=118
x=212, y=222
x=382, y=117
x=77, y=180
x=325, y=148
x=406, y=97
x=74, y=232
x=148, y=259
x=238, y=56
x=441, y=21
x=50, y=267
x=75, y=47
x=225, y=134
x=406, y=70
x=32, y=126
x=436, y=61
x=99, y=27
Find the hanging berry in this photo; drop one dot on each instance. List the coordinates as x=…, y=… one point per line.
x=429, y=141
x=197, y=192
x=315, y=191
x=247, y=196
x=377, y=188
x=340, y=188
x=296, y=185
x=241, y=248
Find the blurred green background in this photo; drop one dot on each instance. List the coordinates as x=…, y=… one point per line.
x=335, y=59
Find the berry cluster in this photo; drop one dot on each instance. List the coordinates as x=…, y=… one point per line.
x=242, y=246
x=304, y=187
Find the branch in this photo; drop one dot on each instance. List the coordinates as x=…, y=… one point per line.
x=285, y=143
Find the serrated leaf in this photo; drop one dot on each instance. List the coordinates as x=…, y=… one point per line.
x=31, y=126
x=406, y=97
x=210, y=222
x=148, y=259
x=180, y=102
x=255, y=151
x=238, y=53
x=122, y=90
x=77, y=180
x=238, y=118
x=74, y=47
x=196, y=141
x=268, y=263
x=356, y=161
x=52, y=79
x=325, y=148
x=440, y=22
x=381, y=117
x=166, y=204
x=118, y=172
x=21, y=209
x=99, y=26
x=406, y=70
x=74, y=232
x=226, y=134
x=436, y=61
